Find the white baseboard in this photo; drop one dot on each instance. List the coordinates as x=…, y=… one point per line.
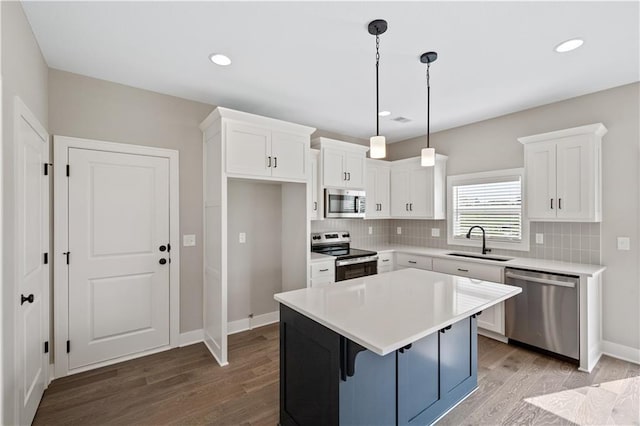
x=191, y=337
x=251, y=323
x=625, y=353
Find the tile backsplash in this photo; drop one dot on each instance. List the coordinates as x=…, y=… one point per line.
x=567, y=242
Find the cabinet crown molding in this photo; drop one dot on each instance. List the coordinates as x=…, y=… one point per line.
x=323, y=142
x=416, y=160
x=272, y=123
x=597, y=129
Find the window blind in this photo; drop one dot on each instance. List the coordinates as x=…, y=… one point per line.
x=494, y=205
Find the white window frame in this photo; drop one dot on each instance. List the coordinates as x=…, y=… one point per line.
x=487, y=177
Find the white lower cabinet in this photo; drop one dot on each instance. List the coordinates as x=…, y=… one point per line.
x=323, y=273
x=405, y=260
x=385, y=262
x=492, y=319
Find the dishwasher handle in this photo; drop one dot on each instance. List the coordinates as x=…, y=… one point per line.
x=540, y=280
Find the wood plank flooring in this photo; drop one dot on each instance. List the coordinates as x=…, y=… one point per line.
x=186, y=387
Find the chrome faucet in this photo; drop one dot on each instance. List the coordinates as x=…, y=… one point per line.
x=485, y=250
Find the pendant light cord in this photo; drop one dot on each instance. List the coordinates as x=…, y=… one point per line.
x=428, y=104
x=377, y=85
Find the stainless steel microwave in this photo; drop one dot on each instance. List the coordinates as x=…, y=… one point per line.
x=344, y=203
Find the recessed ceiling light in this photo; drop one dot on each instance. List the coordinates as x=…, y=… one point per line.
x=384, y=113
x=220, y=59
x=569, y=45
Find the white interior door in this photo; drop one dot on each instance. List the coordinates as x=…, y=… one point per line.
x=118, y=255
x=32, y=277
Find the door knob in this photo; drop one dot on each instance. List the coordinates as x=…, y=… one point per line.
x=163, y=261
x=163, y=248
x=26, y=299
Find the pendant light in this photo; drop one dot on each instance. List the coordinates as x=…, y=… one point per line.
x=377, y=143
x=428, y=155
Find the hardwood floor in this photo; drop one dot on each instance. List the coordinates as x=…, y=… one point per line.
x=185, y=386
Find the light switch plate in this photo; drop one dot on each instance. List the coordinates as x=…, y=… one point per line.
x=624, y=243
x=399, y=230
x=370, y=230
x=188, y=240
x=539, y=238
x=242, y=237
x=435, y=232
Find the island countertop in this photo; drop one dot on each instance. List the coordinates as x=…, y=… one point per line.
x=388, y=311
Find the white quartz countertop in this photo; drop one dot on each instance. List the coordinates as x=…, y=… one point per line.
x=387, y=311
x=317, y=257
x=517, y=262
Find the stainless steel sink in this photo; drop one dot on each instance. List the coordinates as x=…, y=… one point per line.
x=480, y=256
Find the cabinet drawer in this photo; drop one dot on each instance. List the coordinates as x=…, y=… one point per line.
x=385, y=260
x=469, y=269
x=323, y=269
x=414, y=261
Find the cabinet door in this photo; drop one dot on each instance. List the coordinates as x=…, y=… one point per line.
x=354, y=165
x=400, y=187
x=540, y=171
x=382, y=191
x=421, y=199
x=417, y=379
x=492, y=319
x=314, y=207
x=371, y=188
x=289, y=155
x=333, y=168
x=248, y=149
x=455, y=356
x=575, y=178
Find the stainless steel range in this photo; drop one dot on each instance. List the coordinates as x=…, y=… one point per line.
x=350, y=262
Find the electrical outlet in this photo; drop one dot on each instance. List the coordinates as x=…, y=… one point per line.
x=242, y=238
x=624, y=243
x=189, y=240
x=399, y=230
x=435, y=232
x=539, y=238
x=370, y=230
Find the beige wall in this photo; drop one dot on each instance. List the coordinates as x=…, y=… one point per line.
x=88, y=108
x=492, y=144
x=24, y=74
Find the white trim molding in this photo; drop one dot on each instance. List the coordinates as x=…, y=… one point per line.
x=625, y=353
x=255, y=322
x=61, y=146
x=191, y=337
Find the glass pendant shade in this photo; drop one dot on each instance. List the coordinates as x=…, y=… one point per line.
x=378, y=147
x=428, y=157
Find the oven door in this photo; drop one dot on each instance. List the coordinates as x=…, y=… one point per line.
x=344, y=203
x=346, y=270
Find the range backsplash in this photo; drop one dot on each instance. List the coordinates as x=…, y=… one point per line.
x=566, y=242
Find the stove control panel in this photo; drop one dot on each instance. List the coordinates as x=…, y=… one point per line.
x=330, y=237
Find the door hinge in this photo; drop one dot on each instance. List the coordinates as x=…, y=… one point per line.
x=68, y=346
x=46, y=347
x=67, y=170
x=46, y=258
x=46, y=168
x=68, y=255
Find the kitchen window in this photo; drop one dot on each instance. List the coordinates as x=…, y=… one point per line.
x=492, y=200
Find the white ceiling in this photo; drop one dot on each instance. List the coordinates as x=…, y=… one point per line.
x=313, y=62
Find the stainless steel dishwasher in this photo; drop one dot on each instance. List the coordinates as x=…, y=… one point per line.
x=546, y=313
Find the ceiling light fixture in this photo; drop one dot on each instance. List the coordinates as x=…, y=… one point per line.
x=569, y=45
x=384, y=113
x=220, y=59
x=377, y=143
x=428, y=154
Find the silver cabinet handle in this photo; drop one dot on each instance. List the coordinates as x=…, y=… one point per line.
x=413, y=262
x=559, y=203
x=348, y=175
x=345, y=175
x=275, y=162
x=315, y=206
x=324, y=270
x=385, y=260
x=269, y=161
x=410, y=206
x=406, y=207
x=551, y=203
x=463, y=270
x=539, y=280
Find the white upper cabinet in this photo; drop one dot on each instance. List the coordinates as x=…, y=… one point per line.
x=418, y=192
x=343, y=165
x=316, y=194
x=259, y=147
x=563, y=174
x=377, y=189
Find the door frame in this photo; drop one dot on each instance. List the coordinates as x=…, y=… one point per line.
x=22, y=112
x=61, y=146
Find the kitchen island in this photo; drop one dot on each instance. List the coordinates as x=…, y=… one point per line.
x=387, y=349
